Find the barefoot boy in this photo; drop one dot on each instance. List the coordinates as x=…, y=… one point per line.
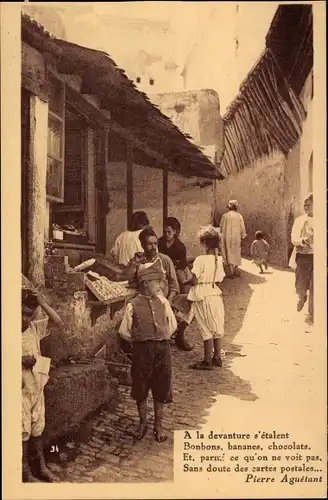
x=34, y=379
x=149, y=323
x=260, y=251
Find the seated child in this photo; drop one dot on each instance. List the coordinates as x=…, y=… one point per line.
x=34, y=379
x=260, y=250
x=149, y=323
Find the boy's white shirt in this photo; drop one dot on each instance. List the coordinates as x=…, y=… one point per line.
x=296, y=235
x=35, y=379
x=126, y=325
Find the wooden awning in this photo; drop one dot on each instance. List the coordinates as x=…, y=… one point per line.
x=290, y=40
x=266, y=116
x=131, y=110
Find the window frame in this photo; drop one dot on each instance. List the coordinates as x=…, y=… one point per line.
x=61, y=120
x=62, y=207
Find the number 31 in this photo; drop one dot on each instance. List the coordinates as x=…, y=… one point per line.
x=54, y=448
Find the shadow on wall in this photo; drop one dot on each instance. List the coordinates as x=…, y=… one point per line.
x=260, y=191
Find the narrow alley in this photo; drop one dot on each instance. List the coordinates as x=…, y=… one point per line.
x=264, y=334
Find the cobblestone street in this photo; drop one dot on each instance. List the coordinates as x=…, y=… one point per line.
x=269, y=363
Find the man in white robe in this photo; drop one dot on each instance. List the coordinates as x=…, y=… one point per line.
x=128, y=243
x=232, y=230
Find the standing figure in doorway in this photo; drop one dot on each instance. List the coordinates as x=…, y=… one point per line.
x=302, y=239
x=128, y=242
x=232, y=229
x=171, y=245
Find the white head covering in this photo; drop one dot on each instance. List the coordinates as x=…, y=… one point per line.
x=233, y=204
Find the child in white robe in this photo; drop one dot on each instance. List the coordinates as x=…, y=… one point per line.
x=34, y=379
x=205, y=295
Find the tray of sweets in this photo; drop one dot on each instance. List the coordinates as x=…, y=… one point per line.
x=104, y=289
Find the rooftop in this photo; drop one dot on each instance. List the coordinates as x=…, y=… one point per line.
x=132, y=113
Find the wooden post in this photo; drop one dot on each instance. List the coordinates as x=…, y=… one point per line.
x=129, y=182
x=165, y=194
x=102, y=186
x=37, y=177
x=90, y=185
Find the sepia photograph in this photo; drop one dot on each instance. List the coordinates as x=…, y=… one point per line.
x=170, y=330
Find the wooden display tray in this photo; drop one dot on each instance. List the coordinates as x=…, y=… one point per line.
x=102, y=303
x=90, y=283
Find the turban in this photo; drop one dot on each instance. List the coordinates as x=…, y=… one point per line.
x=233, y=204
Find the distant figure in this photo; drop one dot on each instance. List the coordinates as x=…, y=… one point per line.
x=128, y=242
x=171, y=245
x=232, y=229
x=302, y=239
x=260, y=250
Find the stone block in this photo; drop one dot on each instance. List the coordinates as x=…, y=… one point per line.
x=72, y=393
x=55, y=271
x=78, y=336
x=76, y=281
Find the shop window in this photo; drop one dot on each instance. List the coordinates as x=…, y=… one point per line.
x=55, y=156
x=71, y=215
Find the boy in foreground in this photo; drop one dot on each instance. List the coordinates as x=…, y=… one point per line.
x=148, y=323
x=35, y=369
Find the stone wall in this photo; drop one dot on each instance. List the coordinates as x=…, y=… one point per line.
x=72, y=393
x=196, y=113
x=191, y=202
x=81, y=334
x=148, y=194
x=260, y=191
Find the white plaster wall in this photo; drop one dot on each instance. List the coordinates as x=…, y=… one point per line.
x=306, y=142
x=215, y=60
